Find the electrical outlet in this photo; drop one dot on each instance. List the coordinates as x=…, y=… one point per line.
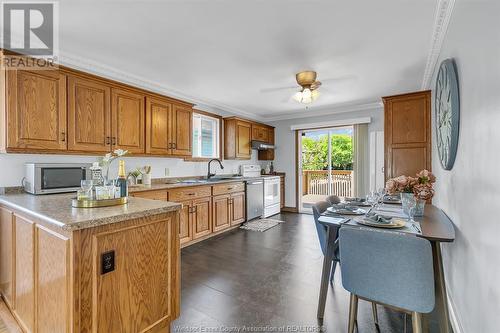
x=107, y=262
x=167, y=172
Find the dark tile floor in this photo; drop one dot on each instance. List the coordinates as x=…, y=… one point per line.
x=268, y=281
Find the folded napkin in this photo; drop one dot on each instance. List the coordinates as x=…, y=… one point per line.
x=355, y=199
x=345, y=207
x=378, y=218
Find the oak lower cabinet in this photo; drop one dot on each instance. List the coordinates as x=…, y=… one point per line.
x=53, y=280
x=6, y=255
x=206, y=209
x=35, y=110
x=221, y=212
x=237, y=208
x=89, y=115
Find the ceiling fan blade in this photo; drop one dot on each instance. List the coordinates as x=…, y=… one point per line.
x=271, y=90
x=315, y=85
x=340, y=78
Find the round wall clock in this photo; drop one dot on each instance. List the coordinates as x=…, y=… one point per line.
x=447, y=113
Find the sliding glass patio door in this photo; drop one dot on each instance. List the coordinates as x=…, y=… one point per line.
x=325, y=165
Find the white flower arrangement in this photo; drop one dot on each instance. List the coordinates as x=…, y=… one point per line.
x=106, y=160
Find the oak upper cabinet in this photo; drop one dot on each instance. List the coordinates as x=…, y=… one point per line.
x=36, y=110
x=237, y=139
x=268, y=154
x=260, y=133
x=202, y=217
x=221, y=212
x=182, y=130
x=128, y=119
x=158, y=120
x=237, y=208
x=89, y=115
x=407, y=134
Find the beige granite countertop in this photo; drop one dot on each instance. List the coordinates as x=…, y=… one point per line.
x=56, y=209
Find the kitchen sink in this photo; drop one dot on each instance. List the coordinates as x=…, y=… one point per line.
x=213, y=179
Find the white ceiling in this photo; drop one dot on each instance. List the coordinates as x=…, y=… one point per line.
x=223, y=53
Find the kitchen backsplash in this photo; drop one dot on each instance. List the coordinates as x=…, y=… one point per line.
x=12, y=165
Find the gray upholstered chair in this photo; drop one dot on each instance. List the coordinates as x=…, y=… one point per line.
x=332, y=199
x=388, y=268
x=318, y=209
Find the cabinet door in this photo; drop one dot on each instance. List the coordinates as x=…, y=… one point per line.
x=89, y=115
x=25, y=272
x=260, y=133
x=158, y=135
x=221, y=212
x=6, y=255
x=243, y=140
x=237, y=208
x=36, y=110
x=185, y=223
x=128, y=117
x=202, y=217
x=182, y=128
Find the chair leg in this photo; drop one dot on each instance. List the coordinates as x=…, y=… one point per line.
x=416, y=322
x=375, y=316
x=353, y=313
x=332, y=271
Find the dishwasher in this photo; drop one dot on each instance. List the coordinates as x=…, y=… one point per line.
x=255, y=190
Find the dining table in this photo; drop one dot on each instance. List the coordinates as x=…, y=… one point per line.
x=434, y=225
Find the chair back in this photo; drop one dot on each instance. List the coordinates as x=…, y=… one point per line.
x=388, y=267
x=318, y=208
x=333, y=199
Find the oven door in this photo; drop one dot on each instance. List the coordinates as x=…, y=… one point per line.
x=271, y=191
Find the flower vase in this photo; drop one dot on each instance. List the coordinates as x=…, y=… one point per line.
x=408, y=200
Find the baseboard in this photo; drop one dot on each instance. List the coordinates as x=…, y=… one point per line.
x=289, y=209
x=455, y=324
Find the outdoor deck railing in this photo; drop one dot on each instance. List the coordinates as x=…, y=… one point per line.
x=316, y=182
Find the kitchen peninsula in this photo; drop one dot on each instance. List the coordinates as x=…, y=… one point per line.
x=112, y=269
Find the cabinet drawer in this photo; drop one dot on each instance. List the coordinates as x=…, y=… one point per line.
x=187, y=193
x=228, y=188
x=154, y=195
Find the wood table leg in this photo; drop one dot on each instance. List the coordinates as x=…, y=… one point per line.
x=325, y=273
x=441, y=308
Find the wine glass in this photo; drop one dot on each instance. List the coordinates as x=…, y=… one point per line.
x=412, y=209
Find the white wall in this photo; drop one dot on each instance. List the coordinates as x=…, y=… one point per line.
x=285, y=141
x=470, y=192
x=12, y=165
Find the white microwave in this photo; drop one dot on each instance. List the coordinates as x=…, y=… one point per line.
x=46, y=178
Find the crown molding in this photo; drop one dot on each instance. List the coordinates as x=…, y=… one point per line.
x=444, y=9
x=97, y=68
x=329, y=110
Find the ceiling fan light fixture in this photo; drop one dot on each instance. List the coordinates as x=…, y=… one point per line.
x=306, y=93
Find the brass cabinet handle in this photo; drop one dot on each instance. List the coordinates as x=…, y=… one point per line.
x=174, y=145
x=170, y=145
x=190, y=193
x=113, y=140
x=108, y=140
x=63, y=136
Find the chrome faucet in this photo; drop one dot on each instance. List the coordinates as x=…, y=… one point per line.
x=210, y=175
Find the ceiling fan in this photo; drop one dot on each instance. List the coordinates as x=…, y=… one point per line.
x=308, y=86
x=309, y=92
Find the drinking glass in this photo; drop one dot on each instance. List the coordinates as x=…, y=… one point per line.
x=110, y=187
x=412, y=209
x=87, y=185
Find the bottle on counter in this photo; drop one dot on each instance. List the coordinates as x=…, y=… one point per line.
x=271, y=168
x=96, y=174
x=121, y=182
